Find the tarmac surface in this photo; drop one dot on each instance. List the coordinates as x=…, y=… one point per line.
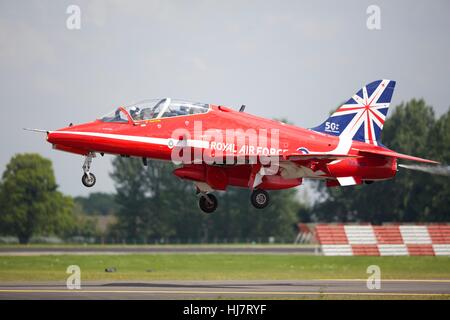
x=298, y=289
x=30, y=251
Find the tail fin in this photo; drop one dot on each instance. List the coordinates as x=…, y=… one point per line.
x=362, y=117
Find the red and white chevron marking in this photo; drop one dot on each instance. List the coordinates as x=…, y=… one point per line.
x=390, y=240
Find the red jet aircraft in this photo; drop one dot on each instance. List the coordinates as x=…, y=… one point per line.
x=217, y=147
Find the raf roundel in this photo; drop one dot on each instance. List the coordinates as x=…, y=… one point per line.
x=303, y=150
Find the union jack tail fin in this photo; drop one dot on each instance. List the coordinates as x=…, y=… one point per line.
x=362, y=116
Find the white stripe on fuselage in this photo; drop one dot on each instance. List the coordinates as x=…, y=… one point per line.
x=343, y=146
x=149, y=140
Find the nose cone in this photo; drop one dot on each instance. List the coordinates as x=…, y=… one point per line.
x=56, y=136
x=66, y=140
x=64, y=135
x=67, y=134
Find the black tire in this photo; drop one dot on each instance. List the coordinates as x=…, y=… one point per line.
x=260, y=199
x=208, y=206
x=88, y=181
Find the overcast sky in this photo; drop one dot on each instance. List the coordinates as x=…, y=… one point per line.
x=291, y=59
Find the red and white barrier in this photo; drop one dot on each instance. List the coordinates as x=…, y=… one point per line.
x=389, y=240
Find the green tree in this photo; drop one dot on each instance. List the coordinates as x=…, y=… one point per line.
x=439, y=187
x=154, y=203
x=84, y=225
x=236, y=218
x=98, y=203
x=142, y=194
x=30, y=203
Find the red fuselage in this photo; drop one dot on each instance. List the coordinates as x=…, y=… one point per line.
x=155, y=139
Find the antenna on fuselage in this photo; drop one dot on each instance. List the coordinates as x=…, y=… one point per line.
x=242, y=108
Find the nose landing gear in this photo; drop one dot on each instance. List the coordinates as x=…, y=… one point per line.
x=88, y=179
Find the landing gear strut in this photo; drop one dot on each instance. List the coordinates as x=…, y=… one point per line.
x=207, y=202
x=88, y=179
x=259, y=198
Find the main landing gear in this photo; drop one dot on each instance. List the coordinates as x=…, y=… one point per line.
x=208, y=202
x=259, y=198
x=88, y=178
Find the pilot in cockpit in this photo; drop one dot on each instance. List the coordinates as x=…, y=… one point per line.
x=134, y=113
x=117, y=116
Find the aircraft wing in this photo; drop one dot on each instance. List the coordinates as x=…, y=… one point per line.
x=390, y=153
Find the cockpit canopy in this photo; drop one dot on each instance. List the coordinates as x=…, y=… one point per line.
x=155, y=109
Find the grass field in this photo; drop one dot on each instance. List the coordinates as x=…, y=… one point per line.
x=119, y=246
x=219, y=267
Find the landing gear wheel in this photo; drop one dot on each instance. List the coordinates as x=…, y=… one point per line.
x=88, y=180
x=208, y=205
x=259, y=199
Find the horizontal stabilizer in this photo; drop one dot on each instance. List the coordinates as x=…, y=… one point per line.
x=390, y=153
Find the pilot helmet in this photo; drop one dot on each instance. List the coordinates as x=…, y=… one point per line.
x=134, y=110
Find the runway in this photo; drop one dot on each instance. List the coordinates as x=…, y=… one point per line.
x=111, y=250
x=299, y=289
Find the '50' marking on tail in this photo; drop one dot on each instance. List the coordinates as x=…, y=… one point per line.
x=332, y=127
